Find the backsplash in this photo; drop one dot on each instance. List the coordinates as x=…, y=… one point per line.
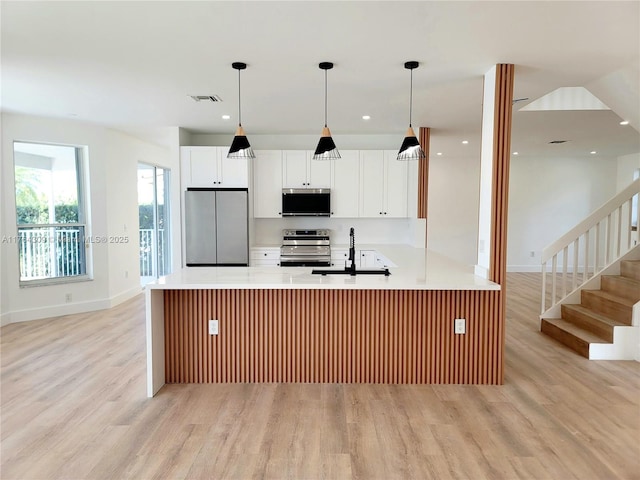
x=268, y=231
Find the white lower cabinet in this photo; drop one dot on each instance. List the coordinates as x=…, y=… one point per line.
x=339, y=256
x=367, y=258
x=265, y=257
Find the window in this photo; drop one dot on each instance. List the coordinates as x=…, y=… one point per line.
x=153, y=208
x=50, y=212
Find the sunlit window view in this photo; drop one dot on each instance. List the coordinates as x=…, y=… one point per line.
x=49, y=211
x=153, y=201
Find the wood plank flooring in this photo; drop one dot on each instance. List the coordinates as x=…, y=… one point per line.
x=74, y=407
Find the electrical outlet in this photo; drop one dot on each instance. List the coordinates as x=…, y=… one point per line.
x=126, y=274
x=460, y=326
x=68, y=298
x=532, y=254
x=213, y=327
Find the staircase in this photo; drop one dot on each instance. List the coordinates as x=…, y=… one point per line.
x=594, y=320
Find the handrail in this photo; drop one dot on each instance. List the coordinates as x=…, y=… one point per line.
x=585, y=250
x=591, y=220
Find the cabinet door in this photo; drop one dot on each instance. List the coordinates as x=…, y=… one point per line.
x=367, y=258
x=265, y=257
x=396, y=185
x=371, y=183
x=267, y=184
x=294, y=169
x=319, y=172
x=203, y=166
x=232, y=172
x=345, y=188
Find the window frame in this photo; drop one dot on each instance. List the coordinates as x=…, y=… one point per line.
x=81, y=155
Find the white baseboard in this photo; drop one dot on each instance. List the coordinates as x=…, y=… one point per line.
x=5, y=319
x=524, y=268
x=538, y=269
x=124, y=296
x=39, y=313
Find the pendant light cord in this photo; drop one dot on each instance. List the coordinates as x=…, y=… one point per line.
x=239, y=109
x=325, y=98
x=411, y=97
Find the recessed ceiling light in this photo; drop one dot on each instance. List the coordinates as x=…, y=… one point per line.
x=439, y=153
x=515, y=153
x=593, y=152
x=366, y=117
x=226, y=117
x=465, y=142
x=624, y=122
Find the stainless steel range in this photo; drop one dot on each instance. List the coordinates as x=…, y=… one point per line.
x=305, y=248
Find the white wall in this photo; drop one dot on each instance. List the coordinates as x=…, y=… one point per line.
x=452, y=218
x=627, y=165
x=547, y=197
x=112, y=204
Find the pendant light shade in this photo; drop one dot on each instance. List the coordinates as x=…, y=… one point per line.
x=410, y=148
x=240, y=146
x=326, y=149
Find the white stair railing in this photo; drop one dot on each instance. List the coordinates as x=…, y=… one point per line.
x=585, y=250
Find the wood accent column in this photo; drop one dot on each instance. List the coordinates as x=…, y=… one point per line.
x=423, y=172
x=500, y=181
x=494, y=184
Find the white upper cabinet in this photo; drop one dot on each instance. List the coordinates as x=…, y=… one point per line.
x=299, y=170
x=383, y=184
x=210, y=167
x=372, y=183
x=345, y=187
x=396, y=185
x=267, y=184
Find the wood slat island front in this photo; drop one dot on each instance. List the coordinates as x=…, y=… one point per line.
x=285, y=325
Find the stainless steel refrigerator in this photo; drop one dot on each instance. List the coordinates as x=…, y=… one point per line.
x=216, y=224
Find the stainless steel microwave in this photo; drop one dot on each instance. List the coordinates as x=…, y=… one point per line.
x=306, y=202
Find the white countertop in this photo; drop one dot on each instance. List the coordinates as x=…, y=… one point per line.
x=417, y=269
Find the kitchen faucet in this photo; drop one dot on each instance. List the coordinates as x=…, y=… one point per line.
x=350, y=268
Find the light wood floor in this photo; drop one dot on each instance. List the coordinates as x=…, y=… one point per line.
x=74, y=407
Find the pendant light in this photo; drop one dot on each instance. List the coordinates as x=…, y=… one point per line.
x=240, y=147
x=326, y=149
x=410, y=149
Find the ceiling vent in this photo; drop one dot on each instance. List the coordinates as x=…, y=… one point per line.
x=556, y=142
x=206, y=98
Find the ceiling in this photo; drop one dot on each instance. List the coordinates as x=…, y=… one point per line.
x=132, y=66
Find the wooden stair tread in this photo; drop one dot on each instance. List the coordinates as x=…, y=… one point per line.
x=630, y=282
x=610, y=296
x=574, y=330
x=595, y=315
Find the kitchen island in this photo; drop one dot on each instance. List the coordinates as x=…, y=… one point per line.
x=287, y=325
